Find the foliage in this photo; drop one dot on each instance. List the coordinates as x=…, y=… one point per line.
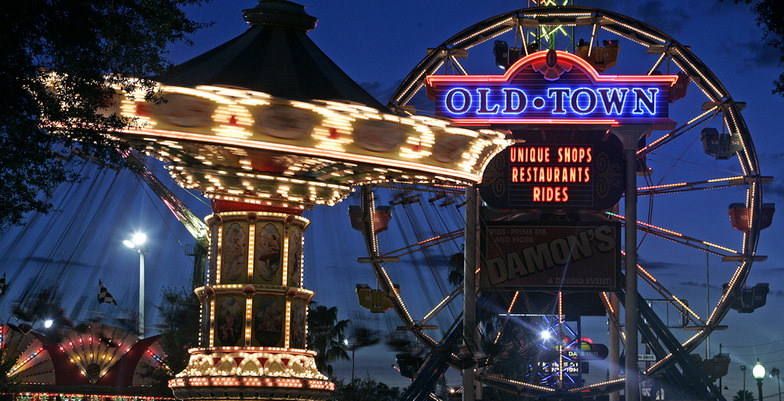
x=749, y=396
x=455, y=275
x=326, y=336
x=180, y=325
x=770, y=17
x=364, y=390
x=55, y=57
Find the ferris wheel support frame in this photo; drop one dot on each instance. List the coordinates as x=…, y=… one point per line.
x=719, y=100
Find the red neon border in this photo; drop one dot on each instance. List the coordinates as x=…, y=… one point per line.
x=434, y=80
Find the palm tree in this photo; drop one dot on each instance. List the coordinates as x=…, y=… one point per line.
x=749, y=396
x=326, y=337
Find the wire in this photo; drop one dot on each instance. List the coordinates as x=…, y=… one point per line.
x=777, y=341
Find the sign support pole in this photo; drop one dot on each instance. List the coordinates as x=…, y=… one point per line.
x=614, y=344
x=471, y=258
x=630, y=136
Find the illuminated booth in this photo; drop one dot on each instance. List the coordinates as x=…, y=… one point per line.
x=89, y=362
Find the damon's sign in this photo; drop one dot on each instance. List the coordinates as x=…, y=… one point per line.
x=574, y=257
x=552, y=87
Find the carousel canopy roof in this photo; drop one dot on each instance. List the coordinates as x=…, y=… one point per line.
x=274, y=56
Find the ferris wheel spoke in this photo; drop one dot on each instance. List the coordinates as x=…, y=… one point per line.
x=691, y=124
x=683, y=239
x=424, y=244
x=441, y=305
x=457, y=64
x=715, y=183
x=671, y=298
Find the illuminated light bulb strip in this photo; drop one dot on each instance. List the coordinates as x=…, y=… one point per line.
x=712, y=96
x=441, y=305
x=251, y=382
x=683, y=57
x=287, y=336
x=396, y=297
x=731, y=112
x=607, y=303
x=245, y=199
x=645, y=273
x=676, y=234
x=664, y=291
x=201, y=321
x=686, y=307
x=519, y=383
x=336, y=115
x=688, y=126
x=261, y=288
x=483, y=31
x=248, y=319
x=243, y=96
x=277, y=215
x=695, y=185
x=722, y=300
x=660, y=362
x=712, y=110
x=653, y=187
x=488, y=37
x=317, y=195
x=624, y=35
x=635, y=29
x=597, y=385
x=302, y=262
x=234, y=349
x=218, y=255
x=212, y=322
x=261, y=362
x=233, y=120
x=26, y=396
x=251, y=250
x=19, y=365
x=594, y=30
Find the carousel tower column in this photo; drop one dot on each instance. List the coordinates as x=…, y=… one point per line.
x=253, y=323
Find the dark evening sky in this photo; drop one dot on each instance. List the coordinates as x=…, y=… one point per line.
x=377, y=43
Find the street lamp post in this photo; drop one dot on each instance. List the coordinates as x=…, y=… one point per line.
x=775, y=372
x=759, y=373
x=137, y=243
x=353, y=348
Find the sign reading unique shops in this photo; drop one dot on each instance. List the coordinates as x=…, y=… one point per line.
x=559, y=173
x=574, y=257
x=552, y=87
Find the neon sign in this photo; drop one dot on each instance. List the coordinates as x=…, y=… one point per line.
x=556, y=174
x=552, y=87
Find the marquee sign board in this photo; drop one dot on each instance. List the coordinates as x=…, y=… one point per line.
x=557, y=174
x=568, y=257
x=552, y=87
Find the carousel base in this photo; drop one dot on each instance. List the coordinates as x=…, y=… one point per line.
x=261, y=373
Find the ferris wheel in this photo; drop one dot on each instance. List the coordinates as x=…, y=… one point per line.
x=687, y=178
